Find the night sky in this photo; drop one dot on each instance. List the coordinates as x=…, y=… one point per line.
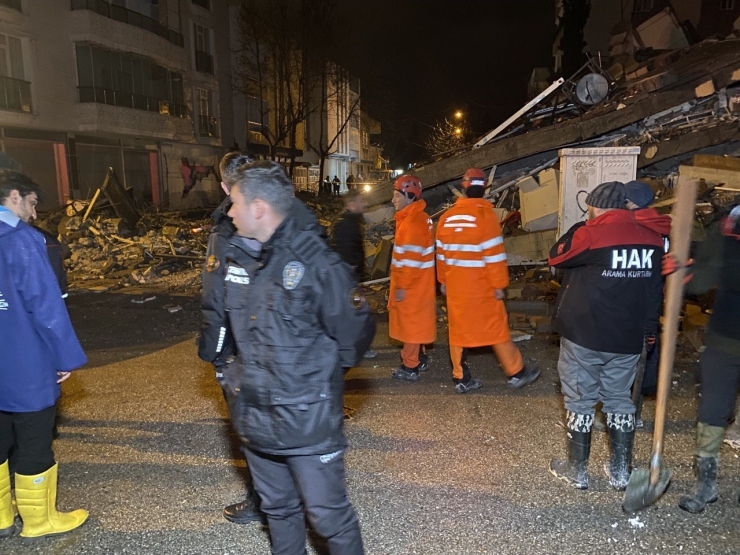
x=420, y=60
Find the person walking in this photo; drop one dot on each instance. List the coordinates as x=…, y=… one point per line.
x=337, y=185
x=298, y=321
x=348, y=235
x=609, y=300
x=472, y=271
x=716, y=265
x=40, y=349
x=412, y=308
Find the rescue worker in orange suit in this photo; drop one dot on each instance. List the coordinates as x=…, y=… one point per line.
x=412, y=306
x=472, y=271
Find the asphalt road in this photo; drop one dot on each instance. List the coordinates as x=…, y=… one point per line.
x=146, y=448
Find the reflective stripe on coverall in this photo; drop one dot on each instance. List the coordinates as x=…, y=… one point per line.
x=471, y=264
x=414, y=319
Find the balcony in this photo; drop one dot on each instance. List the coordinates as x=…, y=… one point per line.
x=12, y=4
x=204, y=62
x=130, y=17
x=131, y=100
x=207, y=126
x=15, y=95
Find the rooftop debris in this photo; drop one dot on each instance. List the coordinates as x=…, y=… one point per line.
x=673, y=103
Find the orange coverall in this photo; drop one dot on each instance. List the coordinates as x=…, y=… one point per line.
x=413, y=320
x=471, y=264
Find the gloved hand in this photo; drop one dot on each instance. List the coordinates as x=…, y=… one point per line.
x=671, y=265
x=500, y=294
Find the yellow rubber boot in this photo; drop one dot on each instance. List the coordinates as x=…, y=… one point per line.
x=7, y=515
x=36, y=497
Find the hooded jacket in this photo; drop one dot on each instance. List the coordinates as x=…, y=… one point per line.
x=36, y=335
x=611, y=292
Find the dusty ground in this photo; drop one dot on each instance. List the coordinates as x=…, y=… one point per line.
x=145, y=447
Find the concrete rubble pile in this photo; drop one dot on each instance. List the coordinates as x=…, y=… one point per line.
x=164, y=250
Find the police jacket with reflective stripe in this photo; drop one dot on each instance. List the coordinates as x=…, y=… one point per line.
x=612, y=289
x=291, y=316
x=215, y=343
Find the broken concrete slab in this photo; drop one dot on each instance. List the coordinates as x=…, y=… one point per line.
x=539, y=208
x=712, y=176
x=531, y=248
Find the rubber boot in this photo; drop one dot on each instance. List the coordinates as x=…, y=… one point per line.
x=708, y=442
x=621, y=429
x=573, y=469
x=7, y=516
x=36, y=497
x=706, y=486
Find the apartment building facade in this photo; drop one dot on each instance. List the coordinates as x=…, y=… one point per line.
x=135, y=85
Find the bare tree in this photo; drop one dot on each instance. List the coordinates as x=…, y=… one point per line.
x=271, y=68
x=337, y=106
x=444, y=137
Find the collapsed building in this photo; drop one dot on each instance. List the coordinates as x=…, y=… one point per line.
x=649, y=114
x=677, y=110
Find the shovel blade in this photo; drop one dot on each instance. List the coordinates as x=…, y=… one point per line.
x=640, y=494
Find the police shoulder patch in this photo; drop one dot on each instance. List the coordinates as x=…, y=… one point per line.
x=212, y=263
x=292, y=274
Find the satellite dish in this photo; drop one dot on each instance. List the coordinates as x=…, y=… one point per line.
x=592, y=89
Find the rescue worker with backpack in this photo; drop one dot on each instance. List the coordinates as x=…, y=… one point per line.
x=472, y=271
x=412, y=308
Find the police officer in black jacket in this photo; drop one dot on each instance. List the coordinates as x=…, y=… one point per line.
x=298, y=321
x=215, y=344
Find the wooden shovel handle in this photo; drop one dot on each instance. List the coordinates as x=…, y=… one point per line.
x=683, y=220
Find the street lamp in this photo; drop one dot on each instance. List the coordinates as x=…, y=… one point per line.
x=458, y=131
x=458, y=115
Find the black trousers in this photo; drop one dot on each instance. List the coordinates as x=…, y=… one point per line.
x=288, y=485
x=229, y=398
x=720, y=378
x=30, y=435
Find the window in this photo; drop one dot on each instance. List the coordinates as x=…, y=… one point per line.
x=642, y=6
x=11, y=57
x=15, y=91
x=202, y=42
x=202, y=37
x=726, y=5
x=123, y=79
x=14, y=4
x=205, y=4
x=208, y=126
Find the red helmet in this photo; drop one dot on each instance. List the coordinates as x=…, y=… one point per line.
x=474, y=177
x=408, y=185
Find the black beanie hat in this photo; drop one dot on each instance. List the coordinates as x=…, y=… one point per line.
x=611, y=194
